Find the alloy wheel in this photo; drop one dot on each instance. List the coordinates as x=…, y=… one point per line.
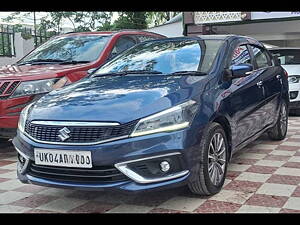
x=283, y=119
x=216, y=158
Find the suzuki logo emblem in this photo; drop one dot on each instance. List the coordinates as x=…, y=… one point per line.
x=64, y=134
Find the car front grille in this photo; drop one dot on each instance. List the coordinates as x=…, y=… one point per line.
x=7, y=88
x=78, y=134
x=97, y=174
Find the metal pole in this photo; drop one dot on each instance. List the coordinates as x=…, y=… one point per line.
x=34, y=21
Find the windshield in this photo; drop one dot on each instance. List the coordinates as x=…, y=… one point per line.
x=166, y=56
x=287, y=56
x=69, y=48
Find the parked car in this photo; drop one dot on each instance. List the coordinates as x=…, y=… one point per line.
x=290, y=61
x=61, y=60
x=164, y=113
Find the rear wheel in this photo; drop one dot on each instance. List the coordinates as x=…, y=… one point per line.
x=278, y=132
x=212, y=167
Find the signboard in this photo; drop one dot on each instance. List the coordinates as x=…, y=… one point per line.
x=273, y=15
x=224, y=17
x=218, y=17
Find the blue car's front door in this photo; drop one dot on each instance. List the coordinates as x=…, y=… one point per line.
x=246, y=100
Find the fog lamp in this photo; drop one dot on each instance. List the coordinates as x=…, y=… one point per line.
x=165, y=166
x=293, y=94
x=22, y=164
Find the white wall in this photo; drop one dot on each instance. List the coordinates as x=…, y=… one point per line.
x=22, y=47
x=285, y=33
x=169, y=30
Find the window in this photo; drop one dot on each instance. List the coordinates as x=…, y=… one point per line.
x=166, y=56
x=287, y=56
x=261, y=57
x=122, y=44
x=77, y=48
x=241, y=55
x=7, y=41
x=142, y=38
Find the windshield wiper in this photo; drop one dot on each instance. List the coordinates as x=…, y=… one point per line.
x=60, y=61
x=40, y=61
x=191, y=73
x=129, y=72
x=74, y=62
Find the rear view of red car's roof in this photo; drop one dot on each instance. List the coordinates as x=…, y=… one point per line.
x=129, y=31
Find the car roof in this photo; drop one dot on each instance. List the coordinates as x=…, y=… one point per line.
x=217, y=36
x=211, y=37
x=284, y=48
x=125, y=31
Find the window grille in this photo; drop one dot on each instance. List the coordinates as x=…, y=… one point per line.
x=7, y=41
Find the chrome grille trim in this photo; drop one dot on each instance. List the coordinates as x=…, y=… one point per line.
x=73, y=123
x=68, y=143
x=115, y=129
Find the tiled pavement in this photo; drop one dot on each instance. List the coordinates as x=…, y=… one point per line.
x=264, y=177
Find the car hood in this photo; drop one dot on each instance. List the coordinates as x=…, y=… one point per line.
x=24, y=71
x=292, y=69
x=116, y=98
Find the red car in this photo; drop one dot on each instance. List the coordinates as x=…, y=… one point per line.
x=61, y=60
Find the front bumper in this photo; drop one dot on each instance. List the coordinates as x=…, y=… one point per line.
x=119, y=154
x=294, y=105
x=294, y=90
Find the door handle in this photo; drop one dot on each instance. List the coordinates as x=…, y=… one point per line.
x=259, y=84
x=278, y=76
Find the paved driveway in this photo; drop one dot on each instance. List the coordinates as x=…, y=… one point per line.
x=263, y=177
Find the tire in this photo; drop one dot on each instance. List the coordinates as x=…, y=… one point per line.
x=279, y=131
x=295, y=112
x=203, y=182
x=4, y=140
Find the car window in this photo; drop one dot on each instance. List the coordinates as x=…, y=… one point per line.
x=287, y=56
x=261, y=57
x=142, y=38
x=122, y=44
x=166, y=56
x=77, y=48
x=241, y=55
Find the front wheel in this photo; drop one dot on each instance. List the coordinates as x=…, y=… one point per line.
x=279, y=131
x=211, y=169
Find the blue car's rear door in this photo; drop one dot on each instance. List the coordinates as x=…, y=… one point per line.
x=272, y=84
x=246, y=100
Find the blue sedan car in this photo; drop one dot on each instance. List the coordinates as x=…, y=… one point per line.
x=162, y=114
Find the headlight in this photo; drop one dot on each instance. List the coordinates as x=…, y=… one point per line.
x=61, y=83
x=294, y=79
x=34, y=87
x=23, y=118
x=172, y=119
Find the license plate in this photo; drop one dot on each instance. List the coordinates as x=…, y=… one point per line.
x=51, y=157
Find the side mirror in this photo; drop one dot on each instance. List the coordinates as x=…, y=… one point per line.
x=238, y=71
x=277, y=61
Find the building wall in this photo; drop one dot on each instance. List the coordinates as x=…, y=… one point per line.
x=280, y=32
x=22, y=47
x=169, y=30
